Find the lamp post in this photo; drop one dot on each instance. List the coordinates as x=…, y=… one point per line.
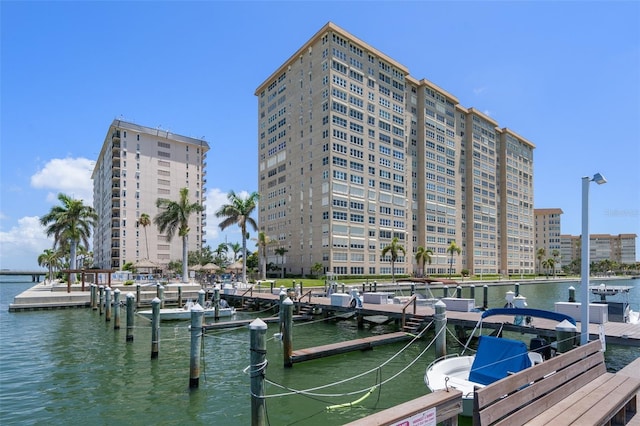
x=584, y=262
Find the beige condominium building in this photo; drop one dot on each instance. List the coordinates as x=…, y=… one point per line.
x=619, y=248
x=354, y=152
x=137, y=166
x=548, y=232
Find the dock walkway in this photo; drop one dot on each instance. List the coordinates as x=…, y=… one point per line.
x=348, y=346
x=615, y=333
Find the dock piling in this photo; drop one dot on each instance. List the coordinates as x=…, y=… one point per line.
x=287, y=331
x=472, y=292
x=180, y=295
x=116, y=309
x=445, y=291
x=485, y=297
x=517, y=289
x=160, y=295
x=201, y=294
x=459, y=292
x=216, y=302
x=107, y=304
x=155, y=327
x=257, y=367
x=101, y=298
x=440, y=318
x=94, y=303
x=572, y=294
x=197, y=314
x=565, y=336
x=137, y=295
x=130, y=306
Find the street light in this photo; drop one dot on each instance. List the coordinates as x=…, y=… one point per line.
x=584, y=263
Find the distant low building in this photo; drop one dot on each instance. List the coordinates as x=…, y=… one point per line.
x=547, y=232
x=619, y=248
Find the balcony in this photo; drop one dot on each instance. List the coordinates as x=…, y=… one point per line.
x=115, y=194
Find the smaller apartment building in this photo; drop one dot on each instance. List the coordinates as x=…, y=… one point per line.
x=548, y=232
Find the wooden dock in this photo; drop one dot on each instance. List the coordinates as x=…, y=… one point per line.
x=615, y=333
x=242, y=323
x=362, y=344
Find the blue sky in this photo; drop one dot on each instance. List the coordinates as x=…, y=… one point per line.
x=564, y=75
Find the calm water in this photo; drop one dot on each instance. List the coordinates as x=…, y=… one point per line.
x=70, y=366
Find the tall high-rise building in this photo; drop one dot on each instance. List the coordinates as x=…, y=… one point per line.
x=548, y=232
x=138, y=165
x=354, y=153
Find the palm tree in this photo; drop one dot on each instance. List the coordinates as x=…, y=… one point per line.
x=175, y=216
x=145, y=221
x=238, y=212
x=221, y=254
x=423, y=256
x=556, y=259
x=540, y=254
x=280, y=251
x=393, y=249
x=51, y=260
x=317, y=269
x=235, y=248
x=70, y=223
x=453, y=249
x=262, y=242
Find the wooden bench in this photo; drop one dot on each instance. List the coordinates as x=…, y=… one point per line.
x=571, y=388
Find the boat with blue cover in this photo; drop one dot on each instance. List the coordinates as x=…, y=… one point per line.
x=495, y=358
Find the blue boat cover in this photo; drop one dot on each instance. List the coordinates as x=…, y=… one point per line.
x=496, y=358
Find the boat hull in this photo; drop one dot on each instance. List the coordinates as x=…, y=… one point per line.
x=453, y=372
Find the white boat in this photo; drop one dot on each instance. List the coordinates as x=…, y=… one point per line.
x=495, y=359
x=184, y=313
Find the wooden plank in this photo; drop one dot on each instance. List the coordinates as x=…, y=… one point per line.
x=241, y=323
x=632, y=370
x=615, y=398
x=545, y=393
x=497, y=390
x=545, y=400
x=566, y=409
x=347, y=346
x=448, y=404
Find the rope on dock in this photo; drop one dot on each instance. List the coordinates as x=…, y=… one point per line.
x=310, y=391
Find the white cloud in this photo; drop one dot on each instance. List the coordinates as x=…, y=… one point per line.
x=22, y=244
x=71, y=176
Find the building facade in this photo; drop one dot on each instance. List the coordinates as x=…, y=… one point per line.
x=619, y=248
x=548, y=237
x=354, y=152
x=138, y=165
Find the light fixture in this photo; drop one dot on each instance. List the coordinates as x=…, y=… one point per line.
x=584, y=261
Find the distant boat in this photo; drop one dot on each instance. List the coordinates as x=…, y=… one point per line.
x=184, y=313
x=495, y=358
